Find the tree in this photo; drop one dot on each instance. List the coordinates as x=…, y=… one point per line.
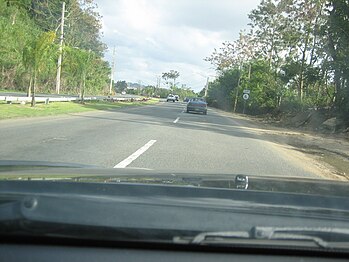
x=35, y=56
x=220, y=92
x=120, y=86
x=83, y=22
x=148, y=90
x=23, y=22
x=162, y=92
x=336, y=31
x=183, y=91
x=171, y=75
x=81, y=64
x=286, y=34
x=238, y=55
x=301, y=35
x=17, y=30
x=267, y=23
x=223, y=58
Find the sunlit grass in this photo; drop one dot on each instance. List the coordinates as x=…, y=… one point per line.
x=8, y=111
x=2, y=90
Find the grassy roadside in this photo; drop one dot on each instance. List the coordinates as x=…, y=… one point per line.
x=8, y=111
x=10, y=91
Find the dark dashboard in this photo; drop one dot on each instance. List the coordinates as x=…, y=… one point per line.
x=80, y=221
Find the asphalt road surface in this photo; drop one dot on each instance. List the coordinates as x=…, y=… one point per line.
x=161, y=137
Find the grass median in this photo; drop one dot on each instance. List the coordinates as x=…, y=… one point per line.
x=8, y=111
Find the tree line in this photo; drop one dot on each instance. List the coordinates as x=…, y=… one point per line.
x=29, y=47
x=294, y=56
x=158, y=91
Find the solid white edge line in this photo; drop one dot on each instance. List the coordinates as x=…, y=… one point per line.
x=124, y=163
x=176, y=120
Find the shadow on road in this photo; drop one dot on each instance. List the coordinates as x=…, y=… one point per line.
x=212, y=122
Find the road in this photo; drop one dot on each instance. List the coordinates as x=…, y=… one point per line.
x=157, y=137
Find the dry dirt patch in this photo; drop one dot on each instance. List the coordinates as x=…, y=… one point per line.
x=321, y=153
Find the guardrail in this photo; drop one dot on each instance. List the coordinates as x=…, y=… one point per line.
x=47, y=100
x=125, y=99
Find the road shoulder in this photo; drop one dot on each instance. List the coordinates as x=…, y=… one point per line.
x=327, y=154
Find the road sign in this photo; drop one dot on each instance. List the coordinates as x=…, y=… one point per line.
x=246, y=96
x=247, y=91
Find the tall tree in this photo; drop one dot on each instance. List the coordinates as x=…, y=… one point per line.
x=267, y=23
x=34, y=58
x=83, y=22
x=301, y=37
x=337, y=33
x=82, y=64
x=173, y=74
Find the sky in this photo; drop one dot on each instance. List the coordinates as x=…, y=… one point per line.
x=156, y=36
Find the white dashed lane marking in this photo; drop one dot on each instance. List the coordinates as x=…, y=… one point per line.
x=124, y=163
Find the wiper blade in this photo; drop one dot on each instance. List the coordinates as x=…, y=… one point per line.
x=323, y=237
x=81, y=217
x=320, y=236
x=200, y=238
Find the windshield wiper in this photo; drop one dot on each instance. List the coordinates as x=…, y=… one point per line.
x=326, y=238
x=81, y=217
x=56, y=215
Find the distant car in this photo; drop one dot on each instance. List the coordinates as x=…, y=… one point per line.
x=197, y=105
x=123, y=93
x=177, y=97
x=171, y=98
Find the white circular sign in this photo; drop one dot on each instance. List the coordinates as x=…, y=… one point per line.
x=246, y=96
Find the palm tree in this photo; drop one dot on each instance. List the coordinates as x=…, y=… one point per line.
x=34, y=59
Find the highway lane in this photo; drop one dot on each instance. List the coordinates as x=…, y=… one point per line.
x=217, y=143
x=158, y=137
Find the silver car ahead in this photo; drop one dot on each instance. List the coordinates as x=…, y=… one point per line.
x=197, y=105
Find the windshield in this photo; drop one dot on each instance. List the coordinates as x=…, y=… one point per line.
x=197, y=99
x=106, y=86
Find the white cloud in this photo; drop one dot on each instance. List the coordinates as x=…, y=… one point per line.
x=155, y=36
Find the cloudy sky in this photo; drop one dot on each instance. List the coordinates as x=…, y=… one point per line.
x=156, y=36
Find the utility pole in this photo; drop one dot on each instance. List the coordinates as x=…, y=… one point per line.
x=59, y=63
x=206, y=86
x=158, y=82
x=237, y=90
x=112, y=72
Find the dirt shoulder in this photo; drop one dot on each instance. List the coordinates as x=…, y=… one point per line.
x=328, y=152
